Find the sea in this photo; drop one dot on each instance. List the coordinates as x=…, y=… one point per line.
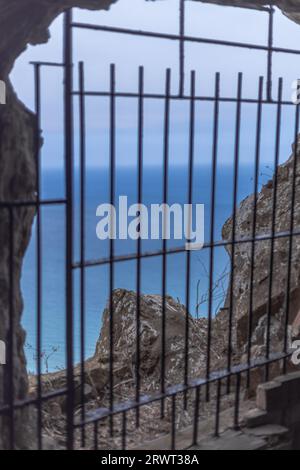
x=97, y=278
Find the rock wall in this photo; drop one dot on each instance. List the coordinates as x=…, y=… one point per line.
x=21, y=23
x=243, y=252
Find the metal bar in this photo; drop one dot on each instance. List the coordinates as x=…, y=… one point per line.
x=254, y=220
x=50, y=202
x=164, y=256
x=181, y=47
x=82, y=126
x=124, y=431
x=161, y=96
x=218, y=406
x=173, y=421
x=102, y=413
x=212, y=223
x=237, y=402
x=270, y=53
x=175, y=37
x=46, y=64
x=112, y=245
x=95, y=435
x=182, y=249
x=144, y=400
x=11, y=332
x=273, y=222
x=68, y=48
x=196, y=417
x=19, y=404
x=190, y=201
x=139, y=242
x=39, y=300
x=234, y=215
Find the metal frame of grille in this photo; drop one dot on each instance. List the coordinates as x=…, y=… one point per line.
x=264, y=98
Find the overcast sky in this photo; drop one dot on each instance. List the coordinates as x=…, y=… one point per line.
x=98, y=50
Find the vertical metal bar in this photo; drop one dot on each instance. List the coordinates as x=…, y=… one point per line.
x=291, y=238
x=212, y=225
x=273, y=223
x=37, y=73
x=124, y=430
x=96, y=435
x=218, y=405
x=11, y=333
x=198, y=296
x=196, y=417
x=237, y=402
x=188, y=256
x=68, y=63
x=82, y=239
x=112, y=245
x=181, y=47
x=165, y=200
x=270, y=53
x=173, y=418
x=256, y=182
x=233, y=236
x=139, y=242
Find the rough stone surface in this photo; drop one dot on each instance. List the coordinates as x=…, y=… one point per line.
x=17, y=182
x=243, y=251
x=269, y=396
x=21, y=23
x=290, y=8
x=124, y=344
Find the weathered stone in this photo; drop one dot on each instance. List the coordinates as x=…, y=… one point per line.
x=232, y=440
x=269, y=396
x=290, y=385
x=255, y=417
x=270, y=431
x=124, y=344
x=290, y=8
x=292, y=416
x=242, y=257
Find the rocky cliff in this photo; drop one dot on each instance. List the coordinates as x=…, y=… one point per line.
x=282, y=248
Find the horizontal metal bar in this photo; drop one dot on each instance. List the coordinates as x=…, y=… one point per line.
x=182, y=249
x=34, y=401
x=48, y=202
x=102, y=413
x=106, y=94
x=176, y=37
x=46, y=64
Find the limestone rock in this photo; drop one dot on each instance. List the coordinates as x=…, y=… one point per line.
x=242, y=252
x=124, y=318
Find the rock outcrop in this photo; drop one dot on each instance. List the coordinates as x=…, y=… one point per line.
x=262, y=264
x=124, y=344
x=290, y=8
x=97, y=369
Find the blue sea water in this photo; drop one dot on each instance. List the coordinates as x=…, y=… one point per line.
x=97, y=278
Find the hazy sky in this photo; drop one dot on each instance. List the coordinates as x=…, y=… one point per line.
x=98, y=50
